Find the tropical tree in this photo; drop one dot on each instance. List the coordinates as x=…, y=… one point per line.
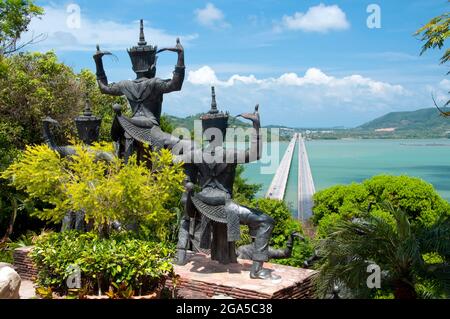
x=33, y=86
x=414, y=260
x=435, y=33
x=15, y=16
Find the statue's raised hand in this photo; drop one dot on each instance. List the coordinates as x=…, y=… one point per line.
x=178, y=48
x=99, y=54
x=254, y=117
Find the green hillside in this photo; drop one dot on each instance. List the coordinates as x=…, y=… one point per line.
x=420, y=124
x=420, y=120
x=424, y=123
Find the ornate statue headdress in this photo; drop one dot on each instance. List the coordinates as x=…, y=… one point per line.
x=143, y=56
x=214, y=118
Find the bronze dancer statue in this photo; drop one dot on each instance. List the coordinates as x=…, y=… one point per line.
x=145, y=97
x=213, y=169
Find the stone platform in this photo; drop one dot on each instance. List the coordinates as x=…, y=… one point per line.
x=202, y=278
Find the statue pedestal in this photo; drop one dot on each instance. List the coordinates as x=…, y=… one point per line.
x=202, y=278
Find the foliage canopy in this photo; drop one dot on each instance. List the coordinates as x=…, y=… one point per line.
x=15, y=16
x=415, y=197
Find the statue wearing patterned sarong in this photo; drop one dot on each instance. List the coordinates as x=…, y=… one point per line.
x=218, y=217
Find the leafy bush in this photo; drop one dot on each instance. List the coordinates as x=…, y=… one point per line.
x=113, y=265
x=415, y=197
x=37, y=85
x=345, y=200
x=104, y=191
x=6, y=254
x=7, y=248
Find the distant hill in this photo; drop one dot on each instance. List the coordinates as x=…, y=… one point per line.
x=424, y=123
x=424, y=119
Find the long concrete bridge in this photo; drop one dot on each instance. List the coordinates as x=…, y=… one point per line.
x=306, y=188
x=277, y=189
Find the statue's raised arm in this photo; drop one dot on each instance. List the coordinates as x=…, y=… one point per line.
x=102, y=79
x=254, y=153
x=145, y=97
x=176, y=83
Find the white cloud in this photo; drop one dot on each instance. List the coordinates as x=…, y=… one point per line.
x=313, y=77
x=439, y=92
x=110, y=35
x=204, y=75
x=311, y=99
x=210, y=16
x=320, y=18
x=445, y=84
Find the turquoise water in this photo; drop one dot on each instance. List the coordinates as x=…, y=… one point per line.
x=346, y=161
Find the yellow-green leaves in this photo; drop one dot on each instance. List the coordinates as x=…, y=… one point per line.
x=40, y=173
x=105, y=191
x=435, y=33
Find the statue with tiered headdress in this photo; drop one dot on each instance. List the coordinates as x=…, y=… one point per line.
x=145, y=97
x=211, y=215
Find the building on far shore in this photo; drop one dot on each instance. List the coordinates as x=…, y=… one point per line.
x=386, y=130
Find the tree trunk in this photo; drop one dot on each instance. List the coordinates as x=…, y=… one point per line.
x=403, y=290
x=12, y=220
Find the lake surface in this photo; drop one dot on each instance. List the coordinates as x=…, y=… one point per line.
x=346, y=161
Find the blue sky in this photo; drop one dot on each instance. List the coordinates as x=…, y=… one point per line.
x=308, y=63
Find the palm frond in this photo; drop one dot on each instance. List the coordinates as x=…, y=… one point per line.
x=436, y=238
x=353, y=245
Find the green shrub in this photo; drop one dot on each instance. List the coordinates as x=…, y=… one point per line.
x=105, y=264
x=7, y=248
x=345, y=200
x=415, y=197
x=326, y=224
x=104, y=191
x=6, y=255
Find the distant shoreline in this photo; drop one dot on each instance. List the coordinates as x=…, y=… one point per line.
x=378, y=138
